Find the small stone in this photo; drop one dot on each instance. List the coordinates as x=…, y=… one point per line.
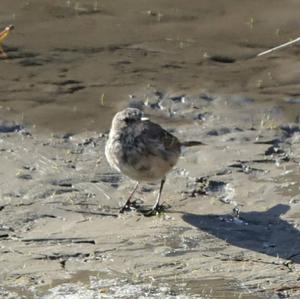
x=290, y=128
x=24, y=176
x=292, y=100
x=295, y=200
x=9, y=127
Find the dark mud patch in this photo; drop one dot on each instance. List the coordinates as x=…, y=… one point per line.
x=222, y=59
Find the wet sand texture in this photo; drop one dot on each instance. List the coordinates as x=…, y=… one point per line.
x=60, y=202
x=232, y=227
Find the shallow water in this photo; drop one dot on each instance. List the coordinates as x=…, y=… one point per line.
x=92, y=284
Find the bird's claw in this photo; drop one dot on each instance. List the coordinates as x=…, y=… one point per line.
x=130, y=206
x=156, y=210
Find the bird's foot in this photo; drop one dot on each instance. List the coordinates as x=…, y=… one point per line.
x=156, y=210
x=130, y=206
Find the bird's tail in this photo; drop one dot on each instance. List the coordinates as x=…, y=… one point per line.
x=192, y=143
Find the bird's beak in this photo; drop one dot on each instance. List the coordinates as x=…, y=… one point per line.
x=144, y=118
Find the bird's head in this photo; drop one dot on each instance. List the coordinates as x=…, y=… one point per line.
x=127, y=117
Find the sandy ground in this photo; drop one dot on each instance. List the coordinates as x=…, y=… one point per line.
x=73, y=64
x=231, y=228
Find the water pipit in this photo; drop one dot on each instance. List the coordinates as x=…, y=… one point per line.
x=142, y=150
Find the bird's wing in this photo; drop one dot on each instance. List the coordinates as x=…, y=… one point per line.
x=158, y=141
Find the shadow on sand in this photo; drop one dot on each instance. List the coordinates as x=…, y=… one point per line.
x=264, y=232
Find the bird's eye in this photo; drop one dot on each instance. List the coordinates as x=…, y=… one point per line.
x=128, y=120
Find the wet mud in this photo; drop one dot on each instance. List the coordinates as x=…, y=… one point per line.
x=230, y=228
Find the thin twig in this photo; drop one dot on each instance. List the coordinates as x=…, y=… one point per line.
x=280, y=46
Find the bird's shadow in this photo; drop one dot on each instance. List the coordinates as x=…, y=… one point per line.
x=263, y=232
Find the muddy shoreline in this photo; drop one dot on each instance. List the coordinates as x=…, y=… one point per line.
x=231, y=230
x=233, y=212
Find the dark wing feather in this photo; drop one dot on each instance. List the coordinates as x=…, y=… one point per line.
x=158, y=141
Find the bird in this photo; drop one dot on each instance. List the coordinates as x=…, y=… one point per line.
x=143, y=151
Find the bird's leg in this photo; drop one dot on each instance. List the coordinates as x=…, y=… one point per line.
x=128, y=203
x=156, y=206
